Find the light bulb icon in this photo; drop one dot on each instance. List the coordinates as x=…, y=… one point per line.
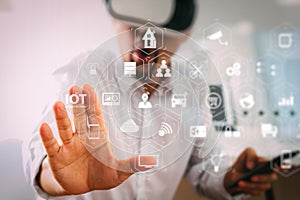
x=216, y=161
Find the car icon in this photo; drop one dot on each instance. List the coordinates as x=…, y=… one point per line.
x=179, y=100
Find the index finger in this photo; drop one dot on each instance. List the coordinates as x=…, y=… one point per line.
x=93, y=107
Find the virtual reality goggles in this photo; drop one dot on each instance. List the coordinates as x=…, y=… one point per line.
x=172, y=14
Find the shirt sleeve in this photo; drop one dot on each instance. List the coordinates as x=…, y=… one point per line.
x=33, y=150
x=33, y=156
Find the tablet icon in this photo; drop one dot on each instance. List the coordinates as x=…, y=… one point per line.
x=94, y=131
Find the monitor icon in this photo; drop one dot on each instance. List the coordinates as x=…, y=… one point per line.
x=147, y=160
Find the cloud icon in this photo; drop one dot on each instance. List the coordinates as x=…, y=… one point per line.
x=129, y=127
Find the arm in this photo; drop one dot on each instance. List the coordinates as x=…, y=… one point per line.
x=70, y=168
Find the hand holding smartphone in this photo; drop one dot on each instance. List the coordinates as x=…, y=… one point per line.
x=283, y=161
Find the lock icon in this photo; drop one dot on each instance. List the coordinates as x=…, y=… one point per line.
x=237, y=133
x=228, y=131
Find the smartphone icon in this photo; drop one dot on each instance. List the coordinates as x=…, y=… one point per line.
x=286, y=159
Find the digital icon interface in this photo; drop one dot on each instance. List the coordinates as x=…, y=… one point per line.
x=130, y=69
x=149, y=39
x=171, y=105
x=75, y=99
x=198, y=131
x=218, y=36
x=145, y=104
x=268, y=129
x=179, y=100
x=165, y=129
x=285, y=40
x=146, y=160
x=247, y=101
x=111, y=99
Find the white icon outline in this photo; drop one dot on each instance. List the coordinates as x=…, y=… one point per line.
x=111, y=99
x=217, y=36
x=149, y=39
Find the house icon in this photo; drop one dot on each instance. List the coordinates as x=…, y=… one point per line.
x=149, y=39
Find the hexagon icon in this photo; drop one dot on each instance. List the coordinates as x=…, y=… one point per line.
x=218, y=38
x=287, y=162
x=180, y=98
x=110, y=96
x=198, y=130
x=214, y=100
x=268, y=129
x=164, y=68
x=197, y=69
x=166, y=129
x=125, y=132
x=143, y=161
x=269, y=69
x=90, y=132
x=233, y=67
x=92, y=69
x=248, y=99
x=285, y=98
x=130, y=71
x=285, y=39
x=217, y=164
x=149, y=38
x=144, y=99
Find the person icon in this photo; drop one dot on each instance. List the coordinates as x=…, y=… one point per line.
x=168, y=73
x=145, y=104
x=159, y=73
x=163, y=64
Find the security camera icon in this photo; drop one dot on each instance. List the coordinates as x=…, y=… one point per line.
x=217, y=36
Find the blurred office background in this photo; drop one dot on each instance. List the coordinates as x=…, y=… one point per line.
x=38, y=36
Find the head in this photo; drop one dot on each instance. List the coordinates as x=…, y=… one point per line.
x=177, y=15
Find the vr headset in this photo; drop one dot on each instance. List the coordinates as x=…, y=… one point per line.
x=172, y=14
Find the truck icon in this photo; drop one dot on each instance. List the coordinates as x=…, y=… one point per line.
x=269, y=129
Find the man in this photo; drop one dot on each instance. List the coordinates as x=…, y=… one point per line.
x=73, y=170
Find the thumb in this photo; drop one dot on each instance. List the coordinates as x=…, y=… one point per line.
x=247, y=160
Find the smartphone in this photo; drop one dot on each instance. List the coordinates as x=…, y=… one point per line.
x=285, y=159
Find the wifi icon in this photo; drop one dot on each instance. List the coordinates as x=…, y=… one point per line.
x=165, y=129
